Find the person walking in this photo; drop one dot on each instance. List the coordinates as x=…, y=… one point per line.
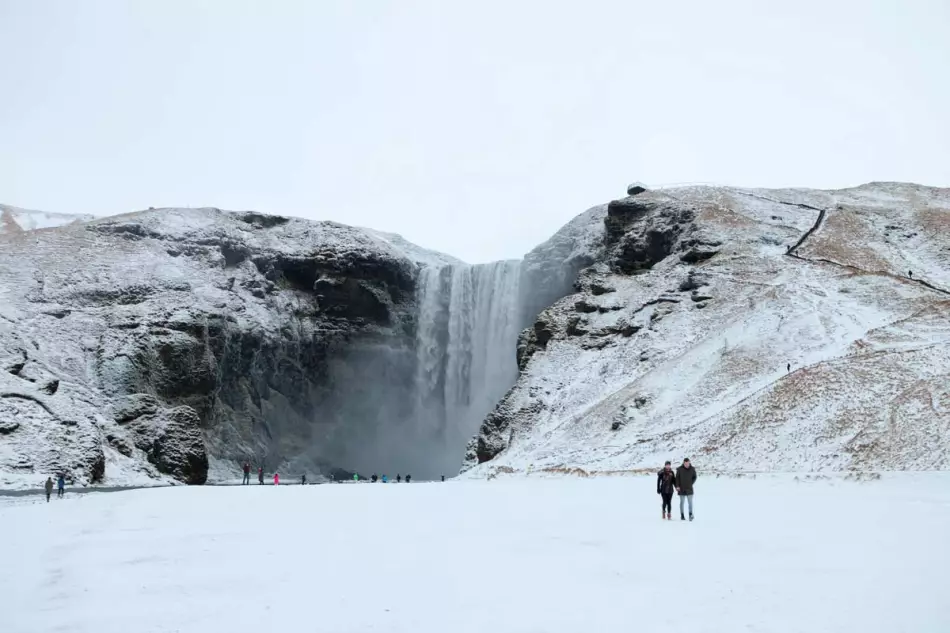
x=398, y=478
x=49, y=488
x=247, y=474
x=374, y=478
x=260, y=475
x=61, y=485
x=303, y=479
x=685, y=478
x=665, y=485
x=443, y=478
x=276, y=479
x=385, y=479
x=408, y=478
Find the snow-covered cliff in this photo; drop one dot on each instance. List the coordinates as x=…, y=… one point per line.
x=750, y=329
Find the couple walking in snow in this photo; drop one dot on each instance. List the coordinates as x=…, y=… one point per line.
x=682, y=481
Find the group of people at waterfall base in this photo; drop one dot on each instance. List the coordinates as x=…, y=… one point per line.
x=668, y=481
x=681, y=480
x=303, y=478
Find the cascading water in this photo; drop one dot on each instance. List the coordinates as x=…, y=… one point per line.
x=467, y=332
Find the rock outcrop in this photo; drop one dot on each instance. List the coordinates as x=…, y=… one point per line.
x=751, y=329
x=142, y=346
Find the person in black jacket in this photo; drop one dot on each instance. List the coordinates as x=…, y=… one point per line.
x=685, y=478
x=665, y=485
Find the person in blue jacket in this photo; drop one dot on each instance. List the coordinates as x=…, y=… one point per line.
x=385, y=478
x=61, y=485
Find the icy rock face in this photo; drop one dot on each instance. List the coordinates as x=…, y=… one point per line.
x=135, y=347
x=749, y=329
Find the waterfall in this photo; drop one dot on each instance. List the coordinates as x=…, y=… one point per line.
x=466, y=335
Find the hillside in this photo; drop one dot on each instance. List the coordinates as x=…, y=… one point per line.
x=14, y=220
x=680, y=338
x=155, y=345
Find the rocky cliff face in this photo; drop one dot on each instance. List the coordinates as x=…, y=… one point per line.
x=136, y=347
x=750, y=329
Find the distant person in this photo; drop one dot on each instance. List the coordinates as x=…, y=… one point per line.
x=685, y=478
x=356, y=477
x=408, y=478
x=789, y=368
x=247, y=474
x=373, y=478
x=276, y=479
x=910, y=274
x=303, y=479
x=443, y=477
x=61, y=486
x=260, y=475
x=665, y=485
x=385, y=479
x=398, y=478
x=49, y=488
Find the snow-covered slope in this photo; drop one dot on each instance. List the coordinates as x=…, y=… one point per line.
x=134, y=348
x=14, y=220
x=680, y=339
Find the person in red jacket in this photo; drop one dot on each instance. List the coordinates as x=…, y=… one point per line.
x=276, y=479
x=247, y=474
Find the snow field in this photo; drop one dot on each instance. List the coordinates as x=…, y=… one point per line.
x=527, y=555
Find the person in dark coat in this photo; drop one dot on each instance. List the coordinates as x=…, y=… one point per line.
x=408, y=478
x=665, y=485
x=61, y=485
x=260, y=475
x=49, y=488
x=247, y=474
x=443, y=477
x=398, y=478
x=685, y=478
x=374, y=478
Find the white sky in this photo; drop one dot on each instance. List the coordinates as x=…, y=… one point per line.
x=477, y=129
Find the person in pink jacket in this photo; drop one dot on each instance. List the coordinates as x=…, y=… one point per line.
x=276, y=479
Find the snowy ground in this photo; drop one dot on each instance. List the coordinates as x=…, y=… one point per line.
x=525, y=555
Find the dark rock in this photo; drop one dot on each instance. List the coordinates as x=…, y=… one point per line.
x=51, y=387
x=698, y=250
x=533, y=339
x=609, y=308
x=641, y=232
x=134, y=406
x=120, y=444
x=576, y=326
x=636, y=188
x=584, y=306
x=262, y=220
x=629, y=330
x=696, y=297
x=598, y=289
x=16, y=367
x=617, y=425
x=172, y=442
x=8, y=426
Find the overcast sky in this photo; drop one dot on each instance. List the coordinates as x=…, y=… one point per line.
x=475, y=128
